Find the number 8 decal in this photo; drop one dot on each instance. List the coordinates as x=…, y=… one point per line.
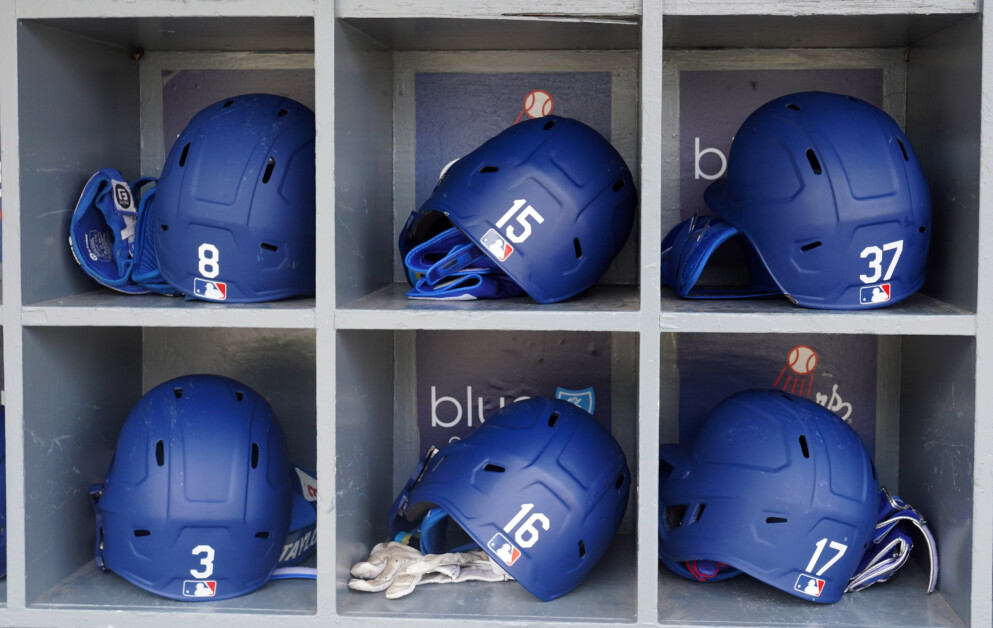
x=209, y=264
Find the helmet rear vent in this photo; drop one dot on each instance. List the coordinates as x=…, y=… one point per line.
x=793, y=107
x=164, y=227
x=485, y=169
x=255, y=455
x=281, y=113
x=903, y=149
x=178, y=392
x=495, y=468
x=160, y=453
x=619, y=482
x=815, y=165
x=810, y=246
x=582, y=550
x=227, y=104
x=261, y=535
x=803, y=446
x=269, y=167
x=698, y=513
x=578, y=247
x=617, y=186
x=922, y=229
x=549, y=125
x=140, y=533
x=239, y=395
x=775, y=520
x=552, y=419
x=269, y=247
x=674, y=516
x=182, y=156
x=873, y=467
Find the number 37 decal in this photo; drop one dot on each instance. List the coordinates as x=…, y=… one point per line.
x=876, y=256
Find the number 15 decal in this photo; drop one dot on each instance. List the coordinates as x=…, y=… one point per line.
x=875, y=256
x=522, y=219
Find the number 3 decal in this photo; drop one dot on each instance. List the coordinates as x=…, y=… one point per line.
x=207, y=561
x=875, y=256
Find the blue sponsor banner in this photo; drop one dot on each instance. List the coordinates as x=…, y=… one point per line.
x=464, y=377
x=838, y=372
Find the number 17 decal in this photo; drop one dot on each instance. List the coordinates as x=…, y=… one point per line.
x=839, y=547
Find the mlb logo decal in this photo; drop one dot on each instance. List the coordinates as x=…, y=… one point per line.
x=496, y=245
x=874, y=294
x=585, y=398
x=199, y=588
x=216, y=290
x=503, y=548
x=809, y=585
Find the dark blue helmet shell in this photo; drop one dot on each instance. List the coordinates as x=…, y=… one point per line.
x=235, y=206
x=541, y=487
x=830, y=193
x=196, y=504
x=775, y=486
x=549, y=201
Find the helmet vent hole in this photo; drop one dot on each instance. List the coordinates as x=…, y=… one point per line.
x=815, y=165
x=282, y=112
x=674, y=516
x=178, y=392
x=803, y=446
x=495, y=468
x=873, y=467
x=486, y=169
x=617, y=186
x=255, y=455
x=261, y=535
x=239, y=395
x=164, y=227
x=810, y=247
x=619, y=482
x=793, y=107
x=775, y=520
x=269, y=247
x=578, y=247
x=699, y=513
x=788, y=398
x=160, y=453
x=552, y=419
x=549, y=125
x=140, y=533
x=228, y=104
x=182, y=156
x=582, y=550
x=903, y=149
x=269, y=167
x=922, y=229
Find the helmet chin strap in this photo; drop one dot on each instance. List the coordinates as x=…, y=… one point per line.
x=451, y=267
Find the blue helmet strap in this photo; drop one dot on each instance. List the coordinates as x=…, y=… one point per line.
x=301, y=539
x=892, y=544
x=451, y=267
x=432, y=535
x=688, y=247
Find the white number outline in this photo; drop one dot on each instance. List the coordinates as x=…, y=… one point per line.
x=522, y=219
x=876, y=263
x=207, y=561
x=214, y=261
x=527, y=527
x=839, y=547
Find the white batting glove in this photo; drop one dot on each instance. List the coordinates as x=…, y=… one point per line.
x=398, y=569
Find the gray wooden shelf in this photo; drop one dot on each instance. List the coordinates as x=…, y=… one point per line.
x=76, y=95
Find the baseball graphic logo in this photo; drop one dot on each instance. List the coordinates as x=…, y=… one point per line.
x=537, y=103
x=802, y=360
